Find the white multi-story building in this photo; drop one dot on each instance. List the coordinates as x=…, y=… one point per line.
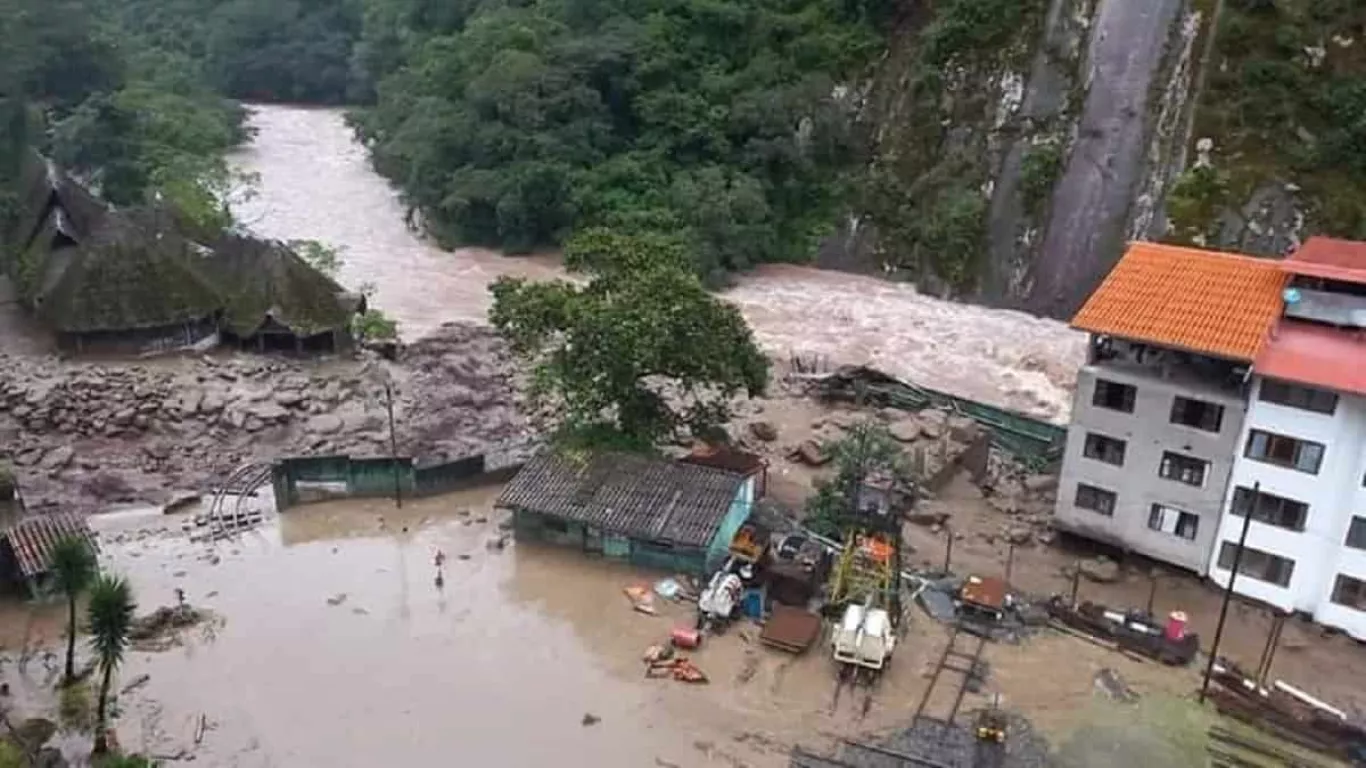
x=1300, y=467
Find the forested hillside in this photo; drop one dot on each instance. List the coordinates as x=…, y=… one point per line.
x=727, y=123
x=998, y=149
x=136, y=120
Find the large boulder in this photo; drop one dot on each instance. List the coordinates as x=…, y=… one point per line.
x=906, y=429
x=1100, y=569
x=764, y=430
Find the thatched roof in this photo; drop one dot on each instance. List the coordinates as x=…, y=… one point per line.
x=133, y=271
x=51, y=197
x=266, y=282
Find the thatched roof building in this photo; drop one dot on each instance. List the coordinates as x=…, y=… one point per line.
x=273, y=298
x=133, y=275
x=130, y=279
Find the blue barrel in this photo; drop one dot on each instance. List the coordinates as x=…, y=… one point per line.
x=753, y=603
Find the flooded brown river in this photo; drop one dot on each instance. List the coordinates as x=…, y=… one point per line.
x=316, y=183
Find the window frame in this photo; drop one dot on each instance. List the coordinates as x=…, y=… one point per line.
x=1182, y=404
x=1098, y=493
x=1359, y=585
x=1173, y=458
x=1158, y=513
x=1265, y=512
x=1360, y=532
x=1267, y=558
x=1128, y=400
x=1298, y=396
x=1102, y=439
x=1299, y=447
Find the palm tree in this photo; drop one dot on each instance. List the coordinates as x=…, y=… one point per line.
x=73, y=567
x=110, y=612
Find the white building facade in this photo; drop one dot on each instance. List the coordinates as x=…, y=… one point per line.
x=1306, y=544
x=1303, y=449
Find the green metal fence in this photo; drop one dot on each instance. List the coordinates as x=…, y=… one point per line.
x=1036, y=443
x=351, y=477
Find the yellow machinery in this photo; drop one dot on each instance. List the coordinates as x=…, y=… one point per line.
x=866, y=570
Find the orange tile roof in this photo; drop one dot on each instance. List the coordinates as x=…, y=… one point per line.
x=1319, y=355
x=1329, y=258
x=1217, y=304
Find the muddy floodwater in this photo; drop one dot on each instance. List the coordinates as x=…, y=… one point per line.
x=335, y=646
x=329, y=642
x=315, y=182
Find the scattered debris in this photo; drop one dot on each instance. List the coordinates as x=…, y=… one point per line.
x=1100, y=569
x=151, y=631
x=590, y=719
x=642, y=599
x=136, y=683
x=1109, y=683
x=337, y=599
x=790, y=629
x=679, y=668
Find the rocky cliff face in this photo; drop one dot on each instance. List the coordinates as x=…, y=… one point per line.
x=1019, y=145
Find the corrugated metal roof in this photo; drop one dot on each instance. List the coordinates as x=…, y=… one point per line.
x=1317, y=355
x=630, y=495
x=32, y=539
x=1212, y=303
x=1329, y=258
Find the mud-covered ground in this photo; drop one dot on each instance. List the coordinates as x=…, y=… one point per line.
x=331, y=643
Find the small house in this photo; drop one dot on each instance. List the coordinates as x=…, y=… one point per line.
x=276, y=301
x=26, y=548
x=647, y=511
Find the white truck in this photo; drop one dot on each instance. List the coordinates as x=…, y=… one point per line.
x=864, y=637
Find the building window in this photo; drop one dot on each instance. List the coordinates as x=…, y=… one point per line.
x=1114, y=395
x=1271, y=509
x=1356, y=533
x=1102, y=448
x=1096, y=499
x=1197, y=413
x=1301, y=455
x=1350, y=592
x=1174, y=521
x=1295, y=396
x=1183, y=469
x=1257, y=564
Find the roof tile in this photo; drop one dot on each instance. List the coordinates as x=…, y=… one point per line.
x=1317, y=355
x=1212, y=303
x=1329, y=258
x=631, y=495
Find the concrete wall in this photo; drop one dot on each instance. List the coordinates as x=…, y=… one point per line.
x=1148, y=433
x=1333, y=495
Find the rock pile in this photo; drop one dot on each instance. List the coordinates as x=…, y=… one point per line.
x=1026, y=499
x=80, y=434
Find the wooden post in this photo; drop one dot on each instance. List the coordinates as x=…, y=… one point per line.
x=393, y=445
x=1228, y=591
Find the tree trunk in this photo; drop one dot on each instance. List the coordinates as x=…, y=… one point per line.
x=71, y=638
x=102, y=712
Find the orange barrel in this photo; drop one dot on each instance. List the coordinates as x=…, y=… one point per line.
x=1176, y=625
x=686, y=638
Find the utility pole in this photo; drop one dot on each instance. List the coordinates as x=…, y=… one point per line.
x=393, y=445
x=948, y=549
x=1152, y=591
x=1010, y=559
x=1228, y=591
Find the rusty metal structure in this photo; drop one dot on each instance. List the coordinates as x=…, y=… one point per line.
x=26, y=547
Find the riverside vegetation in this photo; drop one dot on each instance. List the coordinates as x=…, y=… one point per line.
x=745, y=131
